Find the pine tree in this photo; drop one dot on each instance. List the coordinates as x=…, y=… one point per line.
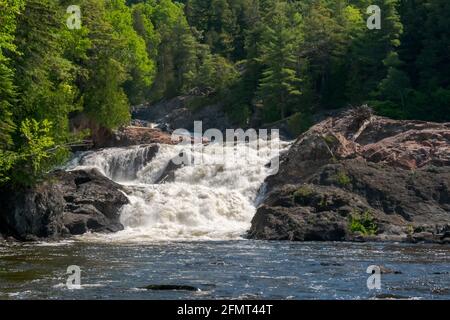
x=44, y=78
x=104, y=98
x=130, y=51
x=279, y=83
x=8, y=17
x=9, y=11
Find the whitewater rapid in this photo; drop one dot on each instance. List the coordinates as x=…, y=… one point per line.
x=213, y=200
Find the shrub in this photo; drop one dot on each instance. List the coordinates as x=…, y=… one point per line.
x=301, y=193
x=363, y=223
x=343, y=179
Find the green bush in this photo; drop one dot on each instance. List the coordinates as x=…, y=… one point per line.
x=329, y=139
x=343, y=179
x=302, y=193
x=363, y=223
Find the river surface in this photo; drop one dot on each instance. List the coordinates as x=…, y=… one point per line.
x=242, y=269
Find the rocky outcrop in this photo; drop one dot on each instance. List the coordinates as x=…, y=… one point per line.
x=100, y=137
x=358, y=176
x=67, y=203
x=181, y=112
x=131, y=136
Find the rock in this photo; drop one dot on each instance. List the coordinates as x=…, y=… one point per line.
x=390, y=296
x=168, y=174
x=386, y=270
x=181, y=112
x=129, y=136
x=66, y=203
x=124, y=137
x=390, y=178
x=168, y=287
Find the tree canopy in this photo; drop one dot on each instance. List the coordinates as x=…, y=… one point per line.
x=263, y=59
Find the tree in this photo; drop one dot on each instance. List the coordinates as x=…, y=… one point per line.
x=279, y=83
x=43, y=77
x=103, y=95
x=130, y=51
x=394, y=88
x=9, y=11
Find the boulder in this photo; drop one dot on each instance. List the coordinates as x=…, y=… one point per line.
x=66, y=203
x=359, y=177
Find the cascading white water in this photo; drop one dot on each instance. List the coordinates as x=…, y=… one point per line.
x=213, y=200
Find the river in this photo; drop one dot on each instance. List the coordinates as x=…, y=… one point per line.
x=243, y=269
x=190, y=231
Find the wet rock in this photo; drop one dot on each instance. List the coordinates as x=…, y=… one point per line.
x=390, y=296
x=386, y=270
x=439, y=273
x=168, y=174
x=332, y=264
x=67, y=203
x=170, y=287
x=360, y=177
x=440, y=291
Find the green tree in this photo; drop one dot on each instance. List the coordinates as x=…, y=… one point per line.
x=103, y=95
x=279, y=84
x=130, y=51
x=9, y=11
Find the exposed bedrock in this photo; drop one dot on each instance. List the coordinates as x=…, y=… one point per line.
x=360, y=177
x=67, y=203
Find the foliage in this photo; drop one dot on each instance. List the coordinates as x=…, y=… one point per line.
x=363, y=223
x=299, y=123
x=342, y=178
x=265, y=60
x=302, y=193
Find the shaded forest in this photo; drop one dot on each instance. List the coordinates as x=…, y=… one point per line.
x=277, y=59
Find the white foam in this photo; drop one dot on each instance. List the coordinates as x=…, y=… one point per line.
x=214, y=200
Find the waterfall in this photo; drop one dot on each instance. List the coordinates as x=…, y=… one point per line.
x=214, y=200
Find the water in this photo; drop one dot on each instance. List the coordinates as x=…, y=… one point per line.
x=215, y=199
x=189, y=231
x=241, y=269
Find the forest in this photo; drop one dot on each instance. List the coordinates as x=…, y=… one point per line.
x=279, y=59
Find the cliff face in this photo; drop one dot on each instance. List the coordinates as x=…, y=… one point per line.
x=357, y=176
x=67, y=203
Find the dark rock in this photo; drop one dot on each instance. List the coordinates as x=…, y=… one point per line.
x=333, y=264
x=354, y=165
x=440, y=273
x=386, y=270
x=168, y=174
x=66, y=203
x=390, y=296
x=180, y=113
x=443, y=291
x=169, y=287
